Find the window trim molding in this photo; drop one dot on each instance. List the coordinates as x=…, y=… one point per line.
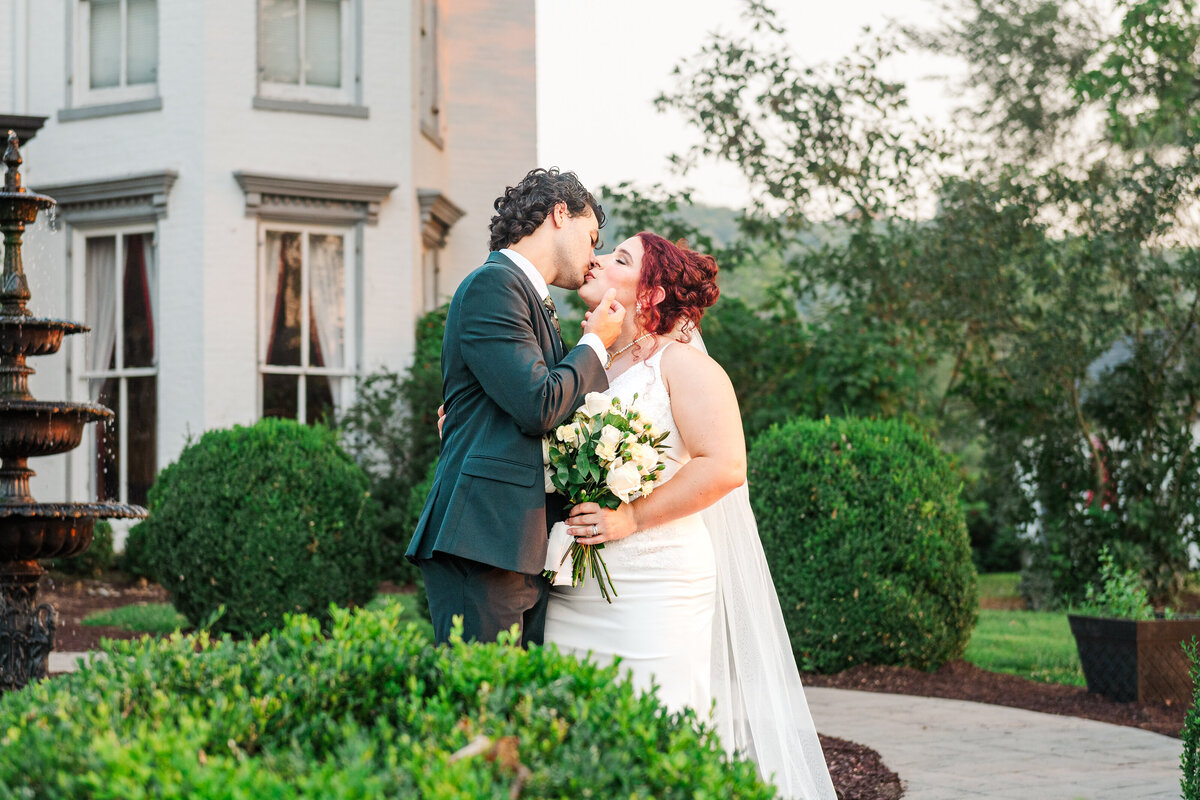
x=306, y=107
x=432, y=120
x=79, y=466
x=311, y=201
x=88, y=102
x=125, y=200
x=351, y=233
x=344, y=101
x=110, y=109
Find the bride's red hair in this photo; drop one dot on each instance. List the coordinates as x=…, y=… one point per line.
x=687, y=278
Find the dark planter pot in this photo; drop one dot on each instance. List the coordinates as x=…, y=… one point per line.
x=1136, y=660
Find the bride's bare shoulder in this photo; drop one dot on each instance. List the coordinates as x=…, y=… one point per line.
x=682, y=361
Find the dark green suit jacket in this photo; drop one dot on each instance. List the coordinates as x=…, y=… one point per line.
x=505, y=381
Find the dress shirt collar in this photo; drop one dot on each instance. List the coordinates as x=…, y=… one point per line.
x=535, y=277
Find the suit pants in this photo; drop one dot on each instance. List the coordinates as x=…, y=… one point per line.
x=489, y=599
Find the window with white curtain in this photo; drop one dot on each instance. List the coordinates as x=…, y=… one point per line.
x=120, y=360
x=306, y=352
x=306, y=50
x=116, y=51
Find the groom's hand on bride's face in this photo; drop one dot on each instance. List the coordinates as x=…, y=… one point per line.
x=606, y=318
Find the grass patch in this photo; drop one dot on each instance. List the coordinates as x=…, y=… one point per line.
x=156, y=618
x=1033, y=644
x=999, y=584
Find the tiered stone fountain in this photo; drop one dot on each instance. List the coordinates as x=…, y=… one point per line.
x=30, y=530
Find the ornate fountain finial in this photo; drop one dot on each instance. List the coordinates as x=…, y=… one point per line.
x=12, y=159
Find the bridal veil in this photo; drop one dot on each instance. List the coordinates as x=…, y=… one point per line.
x=761, y=712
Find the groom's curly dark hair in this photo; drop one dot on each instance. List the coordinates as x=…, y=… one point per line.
x=522, y=208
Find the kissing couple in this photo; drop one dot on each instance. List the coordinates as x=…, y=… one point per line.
x=697, y=614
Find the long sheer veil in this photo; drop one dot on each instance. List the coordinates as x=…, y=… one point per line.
x=760, y=707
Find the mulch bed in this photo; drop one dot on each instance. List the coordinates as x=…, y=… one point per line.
x=75, y=599
x=858, y=772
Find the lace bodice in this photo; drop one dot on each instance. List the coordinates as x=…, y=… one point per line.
x=644, y=379
x=651, y=547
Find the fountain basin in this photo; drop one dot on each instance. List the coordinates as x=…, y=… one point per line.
x=22, y=207
x=29, y=336
x=30, y=531
x=42, y=428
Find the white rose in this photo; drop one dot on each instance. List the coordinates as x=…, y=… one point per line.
x=610, y=439
x=564, y=433
x=623, y=480
x=596, y=404
x=545, y=451
x=643, y=456
x=609, y=435
x=637, y=423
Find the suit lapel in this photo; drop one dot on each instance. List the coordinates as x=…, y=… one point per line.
x=558, y=348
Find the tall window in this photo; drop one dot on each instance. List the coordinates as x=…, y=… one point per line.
x=116, y=51
x=431, y=87
x=306, y=352
x=306, y=50
x=121, y=288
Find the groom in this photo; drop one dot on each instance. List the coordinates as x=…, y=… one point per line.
x=506, y=380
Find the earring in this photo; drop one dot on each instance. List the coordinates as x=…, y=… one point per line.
x=637, y=308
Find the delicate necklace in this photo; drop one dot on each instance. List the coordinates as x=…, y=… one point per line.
x=613, y=357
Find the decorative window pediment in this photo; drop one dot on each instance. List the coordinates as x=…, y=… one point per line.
x=132, y=198
x=310, y=200
x=438, y=215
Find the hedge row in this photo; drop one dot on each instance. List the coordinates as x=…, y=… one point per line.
x=363, y=710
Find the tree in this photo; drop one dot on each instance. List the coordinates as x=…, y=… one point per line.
x=1045, y=294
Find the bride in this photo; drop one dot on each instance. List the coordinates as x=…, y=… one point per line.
x=696, y=613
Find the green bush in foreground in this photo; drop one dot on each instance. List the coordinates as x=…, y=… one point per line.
x=1189, y=761
x=265, y=520
x=863, y=530
x=366, y=710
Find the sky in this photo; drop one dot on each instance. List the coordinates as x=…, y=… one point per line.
x=608, y=130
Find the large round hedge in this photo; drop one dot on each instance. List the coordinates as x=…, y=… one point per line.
x=865, y=537
x=263, y=520
x=366, y=710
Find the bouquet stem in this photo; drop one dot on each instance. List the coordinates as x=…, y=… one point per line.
x=586, y=558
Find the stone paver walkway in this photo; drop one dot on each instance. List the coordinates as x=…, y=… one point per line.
x=957, y=750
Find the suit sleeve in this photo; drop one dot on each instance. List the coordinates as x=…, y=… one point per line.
x=500, y=347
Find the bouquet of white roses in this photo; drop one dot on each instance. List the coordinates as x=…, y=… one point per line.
x=607, y=454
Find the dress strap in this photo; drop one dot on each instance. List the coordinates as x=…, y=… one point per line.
x=657, y=357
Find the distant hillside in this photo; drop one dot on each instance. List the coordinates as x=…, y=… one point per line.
x=749, y=282
x=719, y=222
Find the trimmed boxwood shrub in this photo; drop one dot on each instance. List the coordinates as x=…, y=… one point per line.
x=263, y=520
x=365, y=710
x=865, y=537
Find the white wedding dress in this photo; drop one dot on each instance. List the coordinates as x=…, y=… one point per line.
x=696, y=614
x=660, y=622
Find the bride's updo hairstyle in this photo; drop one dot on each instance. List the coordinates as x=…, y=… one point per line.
x=688, y=278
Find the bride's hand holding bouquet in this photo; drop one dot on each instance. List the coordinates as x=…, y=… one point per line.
x=606, y=454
